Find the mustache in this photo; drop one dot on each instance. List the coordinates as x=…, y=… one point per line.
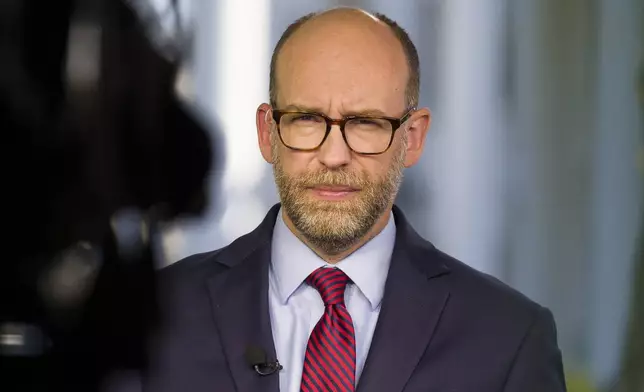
x=332, y=178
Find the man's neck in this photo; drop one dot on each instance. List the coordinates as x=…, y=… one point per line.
x=335, y=258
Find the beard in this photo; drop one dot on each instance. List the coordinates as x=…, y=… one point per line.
x=334, y=226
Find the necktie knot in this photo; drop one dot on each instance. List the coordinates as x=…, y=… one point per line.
x=330, y=283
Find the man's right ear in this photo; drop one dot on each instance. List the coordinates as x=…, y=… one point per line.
x=264, y=129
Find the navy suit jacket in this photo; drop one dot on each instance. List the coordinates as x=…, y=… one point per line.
x=443, y=326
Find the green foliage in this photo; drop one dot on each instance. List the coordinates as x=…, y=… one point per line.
x=579, y=382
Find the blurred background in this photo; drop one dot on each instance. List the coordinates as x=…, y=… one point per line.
x=534, y=162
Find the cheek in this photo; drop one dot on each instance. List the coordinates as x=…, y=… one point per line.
x=374, y=167
x=293, y=163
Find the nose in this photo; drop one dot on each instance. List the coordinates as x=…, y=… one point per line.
x=334, y=152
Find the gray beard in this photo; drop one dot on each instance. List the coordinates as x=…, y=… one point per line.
x=335, y=227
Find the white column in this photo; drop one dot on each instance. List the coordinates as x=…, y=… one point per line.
x=230, y=76
x=617, y=208
x=241, y=84
x=467, y=149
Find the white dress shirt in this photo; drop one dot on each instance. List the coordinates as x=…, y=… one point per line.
x=295, y=307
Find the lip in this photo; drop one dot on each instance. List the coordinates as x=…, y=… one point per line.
x=334, y=188
x=333, y=192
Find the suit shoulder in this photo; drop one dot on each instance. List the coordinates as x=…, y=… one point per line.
x=181, y=286
x=190, y=271
x=478, y=290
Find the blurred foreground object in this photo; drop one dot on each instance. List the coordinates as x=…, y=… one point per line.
x=97, y=152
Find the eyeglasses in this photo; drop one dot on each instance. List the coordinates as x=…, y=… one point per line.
x=305, y=131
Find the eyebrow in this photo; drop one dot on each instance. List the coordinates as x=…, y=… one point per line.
x=357, y=113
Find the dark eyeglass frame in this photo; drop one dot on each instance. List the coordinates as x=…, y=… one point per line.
x=395, y=125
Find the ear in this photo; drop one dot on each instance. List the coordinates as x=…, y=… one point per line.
x=264, y=128
x=417, y=127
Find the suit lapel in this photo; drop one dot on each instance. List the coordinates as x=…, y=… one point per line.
x=414, y=299
x=239, y=299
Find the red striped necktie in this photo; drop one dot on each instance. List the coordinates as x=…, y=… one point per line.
x=330, y=358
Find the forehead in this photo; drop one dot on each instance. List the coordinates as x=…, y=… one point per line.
x=343, y=64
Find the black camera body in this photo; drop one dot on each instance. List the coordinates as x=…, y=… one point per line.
x=98, y=151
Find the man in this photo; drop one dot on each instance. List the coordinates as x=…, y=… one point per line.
x=334, y=283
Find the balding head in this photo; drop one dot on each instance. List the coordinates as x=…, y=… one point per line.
x=355, y=31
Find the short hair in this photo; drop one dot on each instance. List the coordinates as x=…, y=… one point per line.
x=412, y=91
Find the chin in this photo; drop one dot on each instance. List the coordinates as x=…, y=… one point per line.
x=332, y=218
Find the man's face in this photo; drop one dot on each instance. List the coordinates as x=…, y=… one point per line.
x=332, y=195
x=334, y=207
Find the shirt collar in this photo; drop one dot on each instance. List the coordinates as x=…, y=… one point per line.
x=292, y=261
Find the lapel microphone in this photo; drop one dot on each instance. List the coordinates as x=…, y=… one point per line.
x=256, y=358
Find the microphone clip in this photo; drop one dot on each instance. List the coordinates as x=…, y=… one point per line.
x=267, y=368
x=256, y=358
